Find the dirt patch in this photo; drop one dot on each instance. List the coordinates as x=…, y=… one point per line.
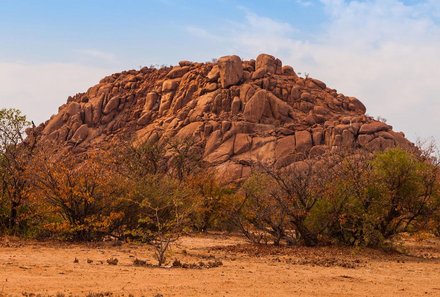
x=48, y=269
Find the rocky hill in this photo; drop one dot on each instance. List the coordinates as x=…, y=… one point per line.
x=237, y=111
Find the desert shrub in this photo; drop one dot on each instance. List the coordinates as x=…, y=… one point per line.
x=355, y=199
x=280, y=208
x=139, y=160
x=213, y=202
x=260, y=217
x=164, y=206
x=408, y=190
x=185, y=157
x=84, y=195
x=374, y=197
x=346, y=213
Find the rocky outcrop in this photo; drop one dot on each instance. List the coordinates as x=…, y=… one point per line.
x=231, y=70
x=239, y=112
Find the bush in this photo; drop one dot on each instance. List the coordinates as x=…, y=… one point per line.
x=372, y=198
x=84, y=195
x=357, y=199
x=213, y=202
x=164, y=206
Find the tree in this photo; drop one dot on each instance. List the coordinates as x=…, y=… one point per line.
x=352, y=196
x=164, y=205
x=283, y=207
x=185, y=157
x=299, y=188
x=83, y=193
x=373, y=197
x=213, y=202
x=410, y=189
x=15, y=154
x=260, y=217
x=140, y=160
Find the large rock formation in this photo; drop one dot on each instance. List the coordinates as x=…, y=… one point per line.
x=239, y=112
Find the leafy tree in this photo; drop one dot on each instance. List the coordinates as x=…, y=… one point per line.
x=84, y=194
x=259, y=216
x=351, y=198
x=213, y=202
x=15, y=154
x=140, y=160
x=409, y=189
x=374, y=197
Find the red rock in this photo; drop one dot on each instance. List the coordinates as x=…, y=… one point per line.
x=303, y=141
x=177, y=71
x=318, y=150
x=313, y=83
x=269, y=64
x=288, y=70
x=239, y=112
x=246, y=92
x=285, y=146
x=236, y=106
x=374, y=127
x=317, y=136
x=214, y=74
x=355, y=104
x=213, y=142
x=189, y=130
x=254, y=109
x=170, y=85
x=185, y=63
x=243, y=143
x=73, y=108
x=150, y=101
x=111, y=105
x=231, y=70
x=222, y=153
x=347, y=139
x=144, y=120
x=80, y=134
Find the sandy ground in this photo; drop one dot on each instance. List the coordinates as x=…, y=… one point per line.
x=48, y=269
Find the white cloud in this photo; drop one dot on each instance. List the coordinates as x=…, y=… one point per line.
x=39, y=89
x=384, y=52
x=99, y=55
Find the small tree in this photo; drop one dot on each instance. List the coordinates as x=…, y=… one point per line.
x=140, y=160
x=15, y=154
x=83, y=193
x=409, y=189
x=373, y=197
x=185, y=157
x=164, y=211
x=259, y=216
x=352, y=196
x=213, y=202
x=299, y=188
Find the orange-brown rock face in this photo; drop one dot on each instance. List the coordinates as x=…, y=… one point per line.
x=240, y=112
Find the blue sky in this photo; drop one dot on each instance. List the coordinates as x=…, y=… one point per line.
x=385, y=52
x=137, y=32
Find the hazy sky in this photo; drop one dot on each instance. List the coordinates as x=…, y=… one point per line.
x=384, y=52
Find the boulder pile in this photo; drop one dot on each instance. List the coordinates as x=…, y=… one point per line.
x=238, y=111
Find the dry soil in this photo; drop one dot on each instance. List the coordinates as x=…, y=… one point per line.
x=30, y=268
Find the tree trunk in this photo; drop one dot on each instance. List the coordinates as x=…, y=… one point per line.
x=13, y=215
x=309, y=238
